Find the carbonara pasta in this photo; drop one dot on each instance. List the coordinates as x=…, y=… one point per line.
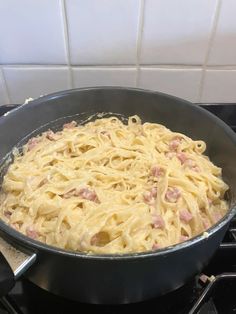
x=110, y=187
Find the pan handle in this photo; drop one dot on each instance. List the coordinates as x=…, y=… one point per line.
x=13, y=263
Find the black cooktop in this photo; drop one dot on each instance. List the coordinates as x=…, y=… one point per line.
x=213, y=292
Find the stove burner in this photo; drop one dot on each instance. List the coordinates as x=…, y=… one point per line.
x=215, y=296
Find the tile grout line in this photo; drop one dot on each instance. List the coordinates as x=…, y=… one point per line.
x=209, y=47
x=139, y=40
x=31, y=65
x=229, y=67
x=5, y=84
x=66, y=41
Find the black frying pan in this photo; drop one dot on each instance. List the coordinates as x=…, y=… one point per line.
x=116, y=278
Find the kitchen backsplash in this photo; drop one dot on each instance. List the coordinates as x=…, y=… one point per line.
x=185, y=48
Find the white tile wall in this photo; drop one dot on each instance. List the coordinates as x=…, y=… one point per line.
x=34, y=81
x=102, y=32
x=220, y=86
x=178, y=82
x=31, y=32
x=223, y=50
x=84, y=77
x=176, y=32
x=185, y=48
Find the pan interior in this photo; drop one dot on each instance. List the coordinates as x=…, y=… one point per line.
x=83, y=118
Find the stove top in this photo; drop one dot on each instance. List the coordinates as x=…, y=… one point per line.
x=212, y=292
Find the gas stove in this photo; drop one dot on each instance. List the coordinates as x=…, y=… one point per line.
x=212, y=292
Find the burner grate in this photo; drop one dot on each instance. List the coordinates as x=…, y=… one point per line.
x=222, y=286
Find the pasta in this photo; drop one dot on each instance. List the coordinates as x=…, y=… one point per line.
x=110, y=187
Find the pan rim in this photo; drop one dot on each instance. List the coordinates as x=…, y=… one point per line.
x=33, y=245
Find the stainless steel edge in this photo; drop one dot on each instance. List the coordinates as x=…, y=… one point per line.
x=19, y=261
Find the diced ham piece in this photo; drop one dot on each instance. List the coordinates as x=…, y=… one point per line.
x=85, y=193
x=217, y=216
x=196, y=169
x=158, y=222
x=156, y=246
x=7, y=214
x=206, y=223
x=157, y=171
x=154, y=192
x=70, y=125
x=172, y=195
x=50, y=135
x=185, y=215
x=31, y=232
x=209, y=201
x=150, y=196
x=183, y=238
x=190, y=164
x=105, y=133
x=33, y=142
x=174, y=143
x=203, y=278
x=182, y=157
x=88, y=195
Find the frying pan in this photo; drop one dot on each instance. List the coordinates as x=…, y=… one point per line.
x=113, y=279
